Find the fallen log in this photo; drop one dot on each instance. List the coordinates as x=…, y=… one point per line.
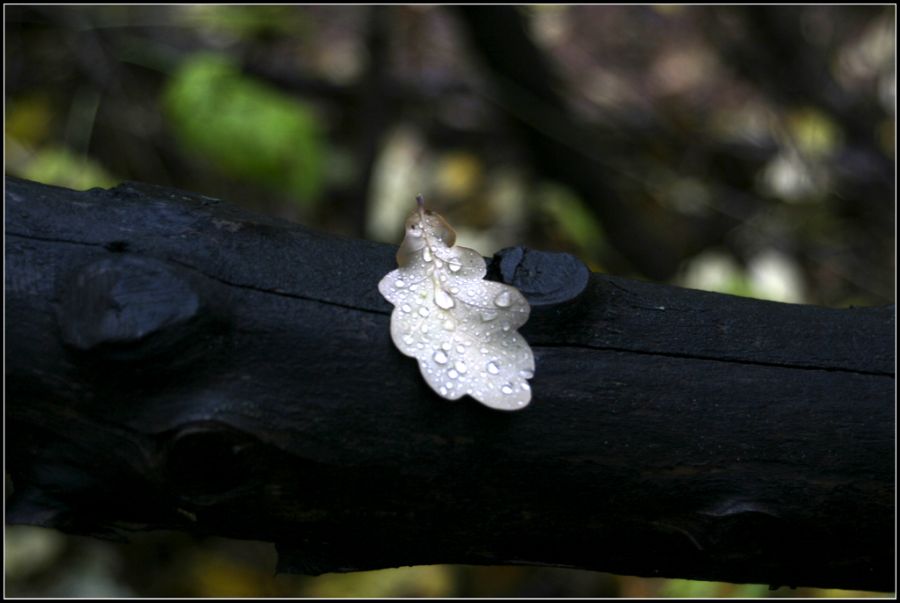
x=174, y=361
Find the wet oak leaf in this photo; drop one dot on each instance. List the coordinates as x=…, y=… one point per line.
x=460, y=327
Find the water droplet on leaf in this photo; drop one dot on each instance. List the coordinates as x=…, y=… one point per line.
x=443, y=299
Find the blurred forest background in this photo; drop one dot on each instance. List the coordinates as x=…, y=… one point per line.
x=742, y=149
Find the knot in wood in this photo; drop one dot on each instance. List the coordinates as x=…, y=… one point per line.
x=206, y=460
x=124, y=300
x=545, y=278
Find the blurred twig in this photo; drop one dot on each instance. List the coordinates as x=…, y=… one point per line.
x=373, y=112
x=652, y=238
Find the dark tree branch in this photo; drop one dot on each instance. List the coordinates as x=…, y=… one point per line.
x=176, y=362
